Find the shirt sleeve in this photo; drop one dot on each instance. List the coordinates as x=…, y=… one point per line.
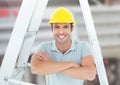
x=41, y=47
x=86, y=50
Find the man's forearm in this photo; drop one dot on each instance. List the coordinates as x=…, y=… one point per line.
x=48, y=67
x=84, y=73
x=53, y=67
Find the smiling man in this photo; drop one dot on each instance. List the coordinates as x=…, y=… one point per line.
x=63, y=61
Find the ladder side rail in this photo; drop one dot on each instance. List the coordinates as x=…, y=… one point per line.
x=16, y=40
x=31, y=34
x=94, y=42
x=30, y=38
x=25, y=52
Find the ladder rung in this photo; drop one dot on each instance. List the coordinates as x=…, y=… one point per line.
x=19, y=82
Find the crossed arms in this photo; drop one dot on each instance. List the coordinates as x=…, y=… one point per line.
x=41, y=63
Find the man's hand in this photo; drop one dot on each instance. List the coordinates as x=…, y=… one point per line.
x=43, y=56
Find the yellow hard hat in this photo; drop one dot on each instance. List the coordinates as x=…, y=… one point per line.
x=62, y=15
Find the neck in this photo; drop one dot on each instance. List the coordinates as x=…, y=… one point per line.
x=64, y=47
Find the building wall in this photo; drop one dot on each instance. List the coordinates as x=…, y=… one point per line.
x=112, y=2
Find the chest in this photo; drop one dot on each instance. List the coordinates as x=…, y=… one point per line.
x=73, y=56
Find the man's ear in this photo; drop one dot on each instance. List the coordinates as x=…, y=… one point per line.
x=72, y=27
x=52, y=27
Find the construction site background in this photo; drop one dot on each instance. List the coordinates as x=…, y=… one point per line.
x=106, y=16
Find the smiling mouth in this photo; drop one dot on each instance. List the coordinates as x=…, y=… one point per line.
x=61, y=36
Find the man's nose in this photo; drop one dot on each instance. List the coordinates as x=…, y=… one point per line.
x=61, y=31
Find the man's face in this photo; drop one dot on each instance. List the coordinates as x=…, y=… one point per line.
x=61, y=32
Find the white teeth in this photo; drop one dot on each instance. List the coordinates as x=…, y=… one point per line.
x=61, y=36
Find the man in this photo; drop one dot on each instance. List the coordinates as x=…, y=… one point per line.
x=63, y=61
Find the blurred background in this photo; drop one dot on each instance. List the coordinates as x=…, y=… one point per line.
x=106, y=16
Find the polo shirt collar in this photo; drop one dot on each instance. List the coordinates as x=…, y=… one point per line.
x=54, y=48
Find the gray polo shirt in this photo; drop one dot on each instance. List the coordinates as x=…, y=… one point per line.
x=77, y=51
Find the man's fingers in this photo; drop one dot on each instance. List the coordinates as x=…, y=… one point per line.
x=41, y=58
x=43, y=54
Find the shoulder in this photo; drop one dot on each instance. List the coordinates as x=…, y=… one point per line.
x=45, y=43
x=43, y=46
x=84, y=47
x=82, y=43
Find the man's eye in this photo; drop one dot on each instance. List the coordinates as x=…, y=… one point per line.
x=56, y=27
x=66, y=26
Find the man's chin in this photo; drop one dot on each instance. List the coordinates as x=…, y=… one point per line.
x=61, y=42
